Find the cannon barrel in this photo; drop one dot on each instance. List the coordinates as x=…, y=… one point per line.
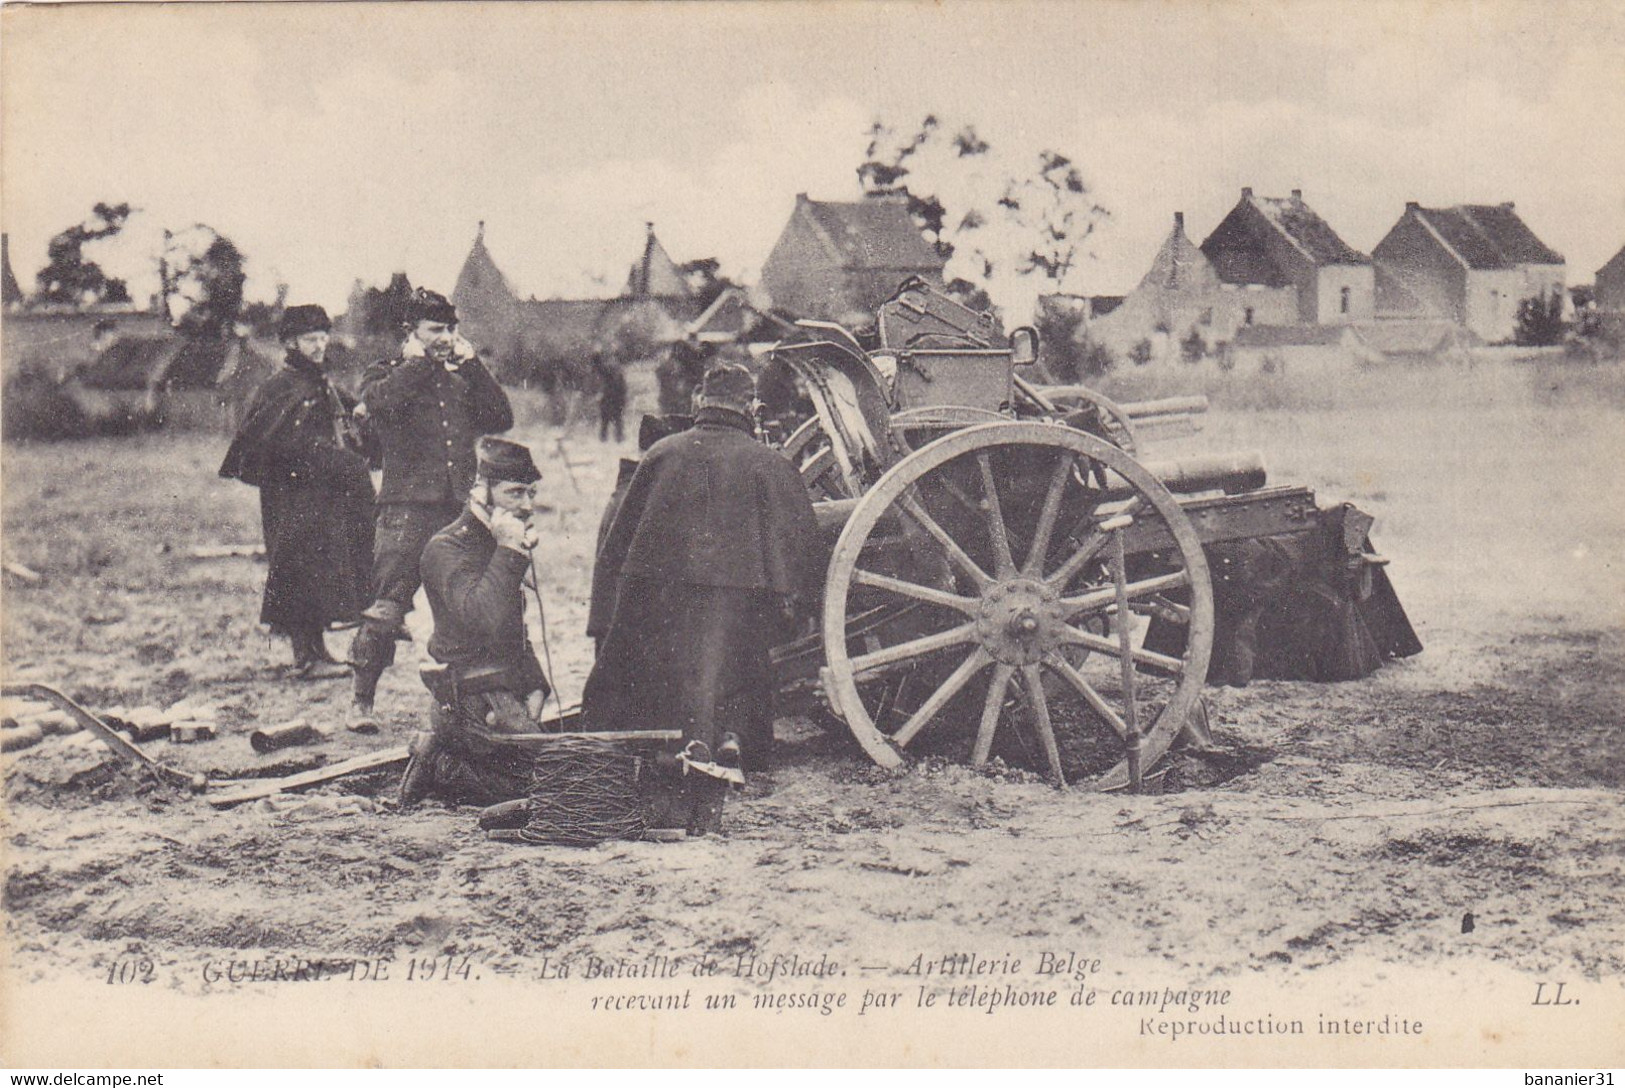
x=1231, y=473
x=1134, y=409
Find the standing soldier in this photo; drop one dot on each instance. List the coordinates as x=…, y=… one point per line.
x=424, y=410
x=611, y=397
x=708, y=554
x=298, y=445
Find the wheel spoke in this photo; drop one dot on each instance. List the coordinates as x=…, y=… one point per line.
x=1004, y=563
x=1110, y=646
x=1090, y=547
x=868, y=664
x=1063, y=668
x=956, y=554
x=1034, y=567
x=1033, y=681
x=991, y=710
x=973, y=664
x=914, y=590
x=1095, y=600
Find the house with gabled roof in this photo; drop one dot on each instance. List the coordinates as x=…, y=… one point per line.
x=657, y=303
x=839, y=260
x=1182, y=292
x=1471, y=263
x=1609, y=292
x=1280, y=242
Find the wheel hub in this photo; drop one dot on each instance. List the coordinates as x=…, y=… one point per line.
x=1019, y=620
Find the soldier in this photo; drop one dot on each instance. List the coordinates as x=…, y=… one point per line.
x=491, y=685
x=709, y=553
x=611, y=398
x=424, y=410
x=298, y=445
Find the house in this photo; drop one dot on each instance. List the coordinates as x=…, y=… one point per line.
x=1471, y=263
x=838, y=261
x=653, y=308
x=1269, y=243
x=1180, y=293
x=1608, y=295
x=11, y=292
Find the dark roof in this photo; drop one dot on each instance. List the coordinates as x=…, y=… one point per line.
x=1101, y=305
x=1615, y=265
x=133, y=362
x=1489, y=235
x=1299, y=222
x=876, y=232
x=10, y=290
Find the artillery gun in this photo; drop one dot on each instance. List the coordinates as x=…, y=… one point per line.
x=996, y=553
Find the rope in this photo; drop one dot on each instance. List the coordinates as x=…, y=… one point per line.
x=541, y=618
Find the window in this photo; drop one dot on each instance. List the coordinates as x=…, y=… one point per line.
x=1247, y=316
x=1343, y=300
x=1207, y=316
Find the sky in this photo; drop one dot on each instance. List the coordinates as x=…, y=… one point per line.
x=336, y=142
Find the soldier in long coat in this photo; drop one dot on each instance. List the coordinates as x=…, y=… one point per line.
x=297, y=445
x=709, y=554
x=424, y=410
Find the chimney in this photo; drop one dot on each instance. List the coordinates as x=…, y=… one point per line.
x=1297, y=194
x=1508, y=205
x=1246, y=192
x=1179, y=222
x=1412, y=206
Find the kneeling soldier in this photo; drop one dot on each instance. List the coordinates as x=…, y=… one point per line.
x=489, y=686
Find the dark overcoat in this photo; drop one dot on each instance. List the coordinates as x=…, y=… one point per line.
x=708, y=549
x=425, y=417
x=315, y=497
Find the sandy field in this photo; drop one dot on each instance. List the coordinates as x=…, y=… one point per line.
x=1341, y=824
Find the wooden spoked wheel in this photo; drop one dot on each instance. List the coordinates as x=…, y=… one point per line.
x=1030, y=582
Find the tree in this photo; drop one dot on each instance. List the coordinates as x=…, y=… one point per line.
x=1054, y=210
x=1037, y=219
x=203, y=281
x=1540, y=321
x=68, y=278
x=886, y=171
x=383, y=312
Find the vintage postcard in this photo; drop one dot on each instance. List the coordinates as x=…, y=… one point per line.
x=814, y=534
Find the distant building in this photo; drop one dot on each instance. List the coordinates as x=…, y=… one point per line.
x=1182, y=292
x=655, y=306
x=1298, y=349
x=1608, y=295
x=11, y=292
x=838, y=261
x=1471, y=263
x=1280, y=242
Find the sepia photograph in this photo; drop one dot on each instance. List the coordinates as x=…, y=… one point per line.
x=813, y=534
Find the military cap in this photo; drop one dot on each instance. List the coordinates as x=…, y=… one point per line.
x=728, y=383
x=500, y=459
x=427, y=305
x=298, y=320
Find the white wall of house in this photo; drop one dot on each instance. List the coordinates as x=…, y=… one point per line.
x=1493, y=296
x=1345, y=293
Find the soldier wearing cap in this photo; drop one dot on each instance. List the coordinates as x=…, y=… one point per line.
x=708, y=555
x=424, y=410
x=490, y=685
x=298, y=445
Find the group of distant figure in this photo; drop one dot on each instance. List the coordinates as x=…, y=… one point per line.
x=700, y=566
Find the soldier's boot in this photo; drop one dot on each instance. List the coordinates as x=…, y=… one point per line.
x=310, y=659
x=418, y=780
x=372, y=651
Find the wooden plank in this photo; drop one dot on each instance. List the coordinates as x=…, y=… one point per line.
x=372, y=761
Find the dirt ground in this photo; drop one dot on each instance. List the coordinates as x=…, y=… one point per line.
x=1358, y=820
